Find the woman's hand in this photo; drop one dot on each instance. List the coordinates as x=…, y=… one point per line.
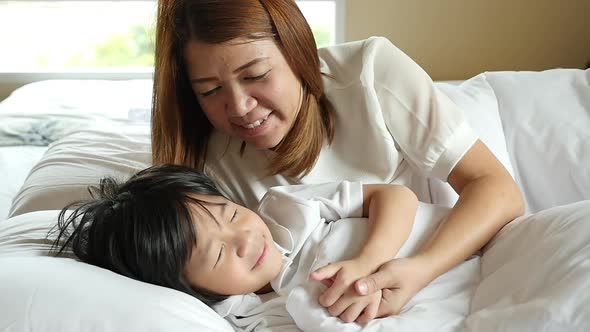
x=399, y=279
x=340, y=299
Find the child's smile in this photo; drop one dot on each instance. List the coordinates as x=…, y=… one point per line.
x=235, y=252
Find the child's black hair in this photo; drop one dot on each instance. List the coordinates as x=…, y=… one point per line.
x=141, y=228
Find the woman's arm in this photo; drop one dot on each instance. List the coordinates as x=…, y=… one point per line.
x=489, y=199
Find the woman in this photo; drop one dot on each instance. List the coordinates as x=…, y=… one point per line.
x=241, y=93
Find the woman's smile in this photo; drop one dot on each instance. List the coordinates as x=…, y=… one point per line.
x=256, y=128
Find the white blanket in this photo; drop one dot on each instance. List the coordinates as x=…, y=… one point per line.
x=536, y=274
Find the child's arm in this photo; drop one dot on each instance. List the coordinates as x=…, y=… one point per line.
x=391, y=210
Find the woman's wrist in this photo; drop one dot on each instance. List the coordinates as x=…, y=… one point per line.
x=371, y=261
x=427, y=267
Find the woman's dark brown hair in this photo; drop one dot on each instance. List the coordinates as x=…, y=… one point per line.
x=180, y=130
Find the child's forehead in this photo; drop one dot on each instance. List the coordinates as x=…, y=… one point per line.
x=207, y=201
x=207, y=206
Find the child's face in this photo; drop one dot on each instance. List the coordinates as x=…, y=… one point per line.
x=235, y=252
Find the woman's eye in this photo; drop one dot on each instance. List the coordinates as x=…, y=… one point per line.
x=234, y=216
x=210, y=92
x=258, y=78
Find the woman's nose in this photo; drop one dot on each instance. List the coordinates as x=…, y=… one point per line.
x=240, y=102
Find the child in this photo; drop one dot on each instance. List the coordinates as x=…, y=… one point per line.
x=170, y=226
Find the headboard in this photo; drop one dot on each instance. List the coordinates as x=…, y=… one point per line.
x=458, y=39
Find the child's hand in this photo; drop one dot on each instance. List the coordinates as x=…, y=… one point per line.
x=351, y=307
x=340, y=298
x=361, y=309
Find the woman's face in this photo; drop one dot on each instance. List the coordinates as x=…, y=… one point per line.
x=246, y=88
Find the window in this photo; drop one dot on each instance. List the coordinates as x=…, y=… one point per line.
x=94, y=37
x=322, y=17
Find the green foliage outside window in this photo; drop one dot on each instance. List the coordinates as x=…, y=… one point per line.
x=322, y=37
x=134, y=48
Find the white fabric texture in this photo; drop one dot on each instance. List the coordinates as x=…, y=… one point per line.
x=302, y=224
x=441, y=306
x=42, y=112
x=89, y=99
x=404, y=128
x=546, y=120
x=50, y=294
x=536, y=274
x=299, y=218
x=15, y=164
x=70, y=165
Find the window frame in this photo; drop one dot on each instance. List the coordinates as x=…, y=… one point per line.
x=20, y=78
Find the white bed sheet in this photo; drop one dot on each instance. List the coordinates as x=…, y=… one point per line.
x=15, y=164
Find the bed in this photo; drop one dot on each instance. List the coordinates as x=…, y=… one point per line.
x=57, y=137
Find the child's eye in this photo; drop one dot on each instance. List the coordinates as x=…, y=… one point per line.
x=234, y=215
x=259, y=77
x=219, y=256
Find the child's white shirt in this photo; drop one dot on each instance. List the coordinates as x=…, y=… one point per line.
x=299, y=218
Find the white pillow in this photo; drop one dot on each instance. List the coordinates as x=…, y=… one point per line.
x=536, y=274
x=477, y=100
x=41, y=112
x=546, y=119
x=80, y=159
x=41, y=293
x=122, y=99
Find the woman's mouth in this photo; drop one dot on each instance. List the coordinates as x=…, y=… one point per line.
x=256, y=123
x=254, y=128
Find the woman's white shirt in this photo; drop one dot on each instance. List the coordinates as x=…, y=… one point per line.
x=392, y=126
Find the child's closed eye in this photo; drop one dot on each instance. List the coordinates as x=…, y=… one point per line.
x=218, y=256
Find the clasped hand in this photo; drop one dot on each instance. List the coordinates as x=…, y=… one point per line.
x=356, y=294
